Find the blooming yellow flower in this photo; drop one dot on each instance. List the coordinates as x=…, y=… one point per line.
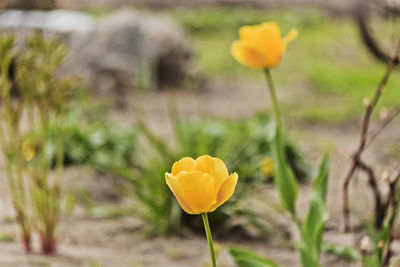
x=201, y=185
x=261, y=46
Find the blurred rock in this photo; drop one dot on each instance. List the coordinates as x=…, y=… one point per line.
x=124, y=51
x=132, y=50
x=27, y=4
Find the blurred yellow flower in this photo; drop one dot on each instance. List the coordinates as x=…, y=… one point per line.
x=261, y=46
x=267, y=166
x=201, y=185
x=28, y=150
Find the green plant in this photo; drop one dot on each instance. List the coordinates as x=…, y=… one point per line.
x=310, y=228
x=247, y=258
x=100, y=145
x=140, y=157
x=343, y=252
x=219, y=138
x=31, y=91
x=380, y=253
x=247, y=51
x=242, y=144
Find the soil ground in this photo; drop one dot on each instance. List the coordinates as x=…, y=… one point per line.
x=85, y=241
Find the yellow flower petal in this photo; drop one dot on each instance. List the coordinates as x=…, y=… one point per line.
x=226, y=191
x=290, y=37
x=201, y=185
x=206, y=164
x=185, y=164
x=265, y=37
x=178, y=192
x=248, y=55
x=261, y=46
x=221, y=172
x=199, y=189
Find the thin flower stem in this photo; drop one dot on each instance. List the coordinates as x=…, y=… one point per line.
x=278, y=120
x=209, y=238
x=274, y=99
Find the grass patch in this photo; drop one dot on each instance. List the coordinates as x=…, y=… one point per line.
x=328, y=57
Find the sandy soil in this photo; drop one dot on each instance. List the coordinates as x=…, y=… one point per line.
x=85, y=241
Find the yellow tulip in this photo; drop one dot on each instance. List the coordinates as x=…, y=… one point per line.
x=201, y=185
x=261, y=46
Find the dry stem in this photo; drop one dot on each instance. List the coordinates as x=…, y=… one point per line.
x=356, y=158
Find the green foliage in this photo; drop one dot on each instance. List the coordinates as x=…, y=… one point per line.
x=242, y=144
x=247, y=258
x=312, y=227
x=381, y=238
x=142, y=158
x=284, y=177
x=343, y=252
x=97, y=144
x=32, y=90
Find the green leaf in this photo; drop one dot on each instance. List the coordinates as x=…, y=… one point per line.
x=306, y=259
x=247, y=258
x=313, y=226
x=371, y=261
x=320, y=184
x=284, y=177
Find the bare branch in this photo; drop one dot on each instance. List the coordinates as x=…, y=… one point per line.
x=380, y=209
x=385, y=123
x=393, y=62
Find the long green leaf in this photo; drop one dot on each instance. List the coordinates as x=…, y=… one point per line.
x=320, y=184
x=284, y=177
x=247, y=258
x=313, y=226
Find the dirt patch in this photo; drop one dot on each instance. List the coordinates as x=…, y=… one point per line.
x=85, y=241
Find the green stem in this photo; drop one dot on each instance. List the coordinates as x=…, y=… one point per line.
x=60, y=149
x=274, y=99
x=44, y=120
x=209, y=238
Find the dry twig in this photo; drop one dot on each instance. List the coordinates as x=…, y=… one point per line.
x=356, y=158
x=386, y=122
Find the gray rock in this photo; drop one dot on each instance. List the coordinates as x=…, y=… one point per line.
x=123, y=51
x=133, y=50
